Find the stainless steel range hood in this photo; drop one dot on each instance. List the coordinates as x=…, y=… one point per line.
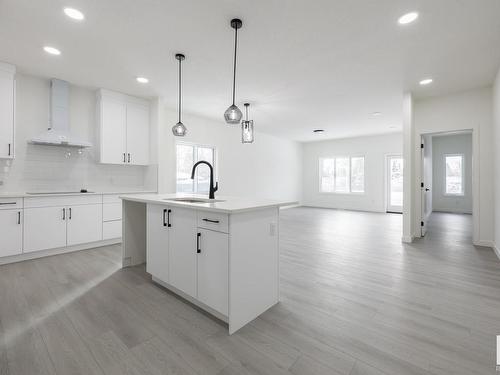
x=59, y=133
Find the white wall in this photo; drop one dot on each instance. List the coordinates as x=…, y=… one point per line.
x=269, y=168
x=47, y=167
x=374, y=148
x=451, y=144
x=496, y=142
x=462, y=111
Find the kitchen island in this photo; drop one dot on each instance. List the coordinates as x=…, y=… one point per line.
x=221, y=254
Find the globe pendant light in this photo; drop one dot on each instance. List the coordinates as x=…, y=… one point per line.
x=233, y=114
x=179, y=129
x=247, y=128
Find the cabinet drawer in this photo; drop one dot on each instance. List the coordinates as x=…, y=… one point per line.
x=111, y=198
x=214, y=221
x=111, y=229
x=11, y=203
x=111, y=211
x=64, y=200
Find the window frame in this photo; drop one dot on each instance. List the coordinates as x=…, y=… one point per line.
x=350, y=157
x=445, y=193
x=195, y=147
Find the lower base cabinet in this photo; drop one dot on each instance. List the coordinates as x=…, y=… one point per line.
x=182, y=249
x=157, y=242
x=84, y=224
x=11, y=229
x=191, y=259
x=213, y=270
x=44, y=228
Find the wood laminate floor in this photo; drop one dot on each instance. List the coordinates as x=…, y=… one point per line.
x=354, y=300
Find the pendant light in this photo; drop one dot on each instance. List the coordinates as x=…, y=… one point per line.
x=233, y=114
x=179, y=129
x=247, y=128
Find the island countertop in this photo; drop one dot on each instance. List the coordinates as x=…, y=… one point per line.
x=224, y=204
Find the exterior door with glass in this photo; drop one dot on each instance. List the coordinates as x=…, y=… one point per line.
x=394, y=184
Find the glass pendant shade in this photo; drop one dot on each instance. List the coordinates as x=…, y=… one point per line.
x=233, y=115
x=179, y=130
x=247, y=131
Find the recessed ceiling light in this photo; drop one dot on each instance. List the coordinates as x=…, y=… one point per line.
x=407, y=18
x=51, y=50
x=142, y=80
x=376, y=113
x=318, y=131
x=74, y=13
x=425, y=81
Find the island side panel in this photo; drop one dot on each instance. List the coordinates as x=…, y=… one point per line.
x=133, y=233
x=253, y=265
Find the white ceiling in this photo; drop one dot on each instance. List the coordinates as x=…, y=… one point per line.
x=304, y=64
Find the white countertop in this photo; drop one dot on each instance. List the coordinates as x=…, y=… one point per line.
x=222, y=204
x=49, y=194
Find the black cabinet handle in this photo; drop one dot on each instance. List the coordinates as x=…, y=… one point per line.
x=198, y=238
x=18, y=217
x=129, y=157
x=168, y=218
x=124, y=158
x=64, y=214
x=9, y=149
x=165, y=217
x=6, y=203
x=212, y=221
x=70, y=213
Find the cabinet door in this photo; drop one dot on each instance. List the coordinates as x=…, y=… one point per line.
x=213, y=270
x=113, y=131
x=157, y=242
x=137, y=134
x=11, y=232
x=182, y=250
x=44, y=228
x=84, y=224
x=6, y=115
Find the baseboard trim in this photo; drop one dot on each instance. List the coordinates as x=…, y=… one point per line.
x=343, y=209
x=496, y=250
x=57, y=251
x=485, y=243
x=407, y=239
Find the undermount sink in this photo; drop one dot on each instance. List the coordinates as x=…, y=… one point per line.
x=193, y=200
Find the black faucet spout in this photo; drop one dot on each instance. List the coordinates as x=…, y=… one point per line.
x=213, y=188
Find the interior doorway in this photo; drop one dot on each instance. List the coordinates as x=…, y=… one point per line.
x=394, y=185
x=446, y=185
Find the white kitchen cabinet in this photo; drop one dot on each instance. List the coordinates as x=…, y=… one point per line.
x=11, y=232
x=84, y=224
x=213, y=269
x=157, y=241
x=7, y=110
x=113, y=141
x=44, y=228
x=182, y=250
x=137, y=134
x=124, y=129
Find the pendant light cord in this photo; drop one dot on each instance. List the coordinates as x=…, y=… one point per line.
x=246, y=110
x=180, y=88
x=234, y=66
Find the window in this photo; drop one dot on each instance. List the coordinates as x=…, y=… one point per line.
x=186, y=156
x=342, y=175
x=454, y=174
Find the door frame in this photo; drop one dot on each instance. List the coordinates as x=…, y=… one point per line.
x=475, y=180
x=387, y=183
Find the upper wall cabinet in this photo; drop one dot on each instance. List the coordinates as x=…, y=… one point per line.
x=7, y=110
x=123, y=129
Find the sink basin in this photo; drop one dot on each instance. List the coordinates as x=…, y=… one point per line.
x=193, y=200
